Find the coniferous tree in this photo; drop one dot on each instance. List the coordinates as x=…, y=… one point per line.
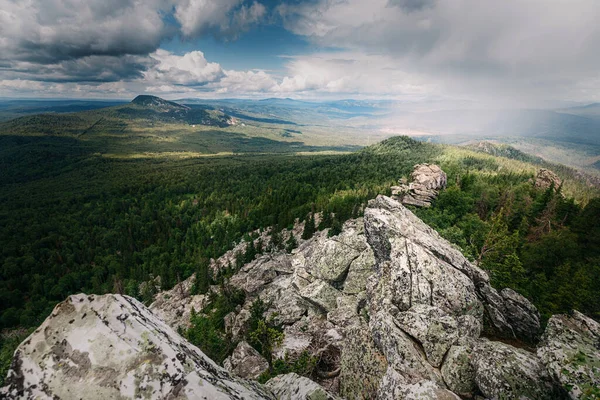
x=291, y=243
x=309, y=227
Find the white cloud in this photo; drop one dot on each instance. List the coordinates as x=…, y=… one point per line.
x=225, y=17
x=519, y=49
x=190, y=69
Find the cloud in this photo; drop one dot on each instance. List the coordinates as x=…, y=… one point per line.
x=523, y=50
x=412, y=5
x=56, y=30
x=223, y=18
x=191, y=69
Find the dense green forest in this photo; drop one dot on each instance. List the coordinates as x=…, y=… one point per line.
x=71, y=221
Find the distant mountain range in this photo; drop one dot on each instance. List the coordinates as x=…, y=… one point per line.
x=116, y=119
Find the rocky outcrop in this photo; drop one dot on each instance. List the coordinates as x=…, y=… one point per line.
x=387, y=309
x=570, y=348
x=425, y=183
x=546, y=179
x=102, y=347
x=428, y=307
x=295, y=387
x=246, y=362
x=505, y=372
x=175, y=306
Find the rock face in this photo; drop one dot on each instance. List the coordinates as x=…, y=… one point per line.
x=546, y=179
x=570, y=348
x=295, y=387
x=246, y=362
x=387, y=308
x=175, y=306
x=110, y=347
x=426, y=181
x=428, y=307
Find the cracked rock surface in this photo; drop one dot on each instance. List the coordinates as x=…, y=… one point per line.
x=388, y=308
x=113, y=347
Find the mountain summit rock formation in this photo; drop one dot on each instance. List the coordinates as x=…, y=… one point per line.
x=388, y=308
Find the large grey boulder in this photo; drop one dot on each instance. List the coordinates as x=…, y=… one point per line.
x=505, y=372
x=570, y=349
x=426, y=181
x=415, y=265
x=246, y=362
x=458, y=372
x=394, y=387
x=321, y=294
x=112, y=346
x=295, y=387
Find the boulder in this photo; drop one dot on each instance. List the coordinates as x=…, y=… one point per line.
x=570, y=349
x=295, y=387
x=321, y=294
x=458, y=372
x=112, y=346
x=414, y=265
x=254, y=276
x=426, y=181
x=394, y=387
x=359, y=271
x=546, y=179
x=175, y=306
x=505, y=372
x=246, y=362
x=361, y=358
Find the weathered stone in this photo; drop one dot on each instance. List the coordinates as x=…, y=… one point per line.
x=238, y=326
x=457, y=371
x=321, y=294
x=434, y=330
x=286, y=304
x=329, y=259
x=295, y=387
x=570, y=349
x=546, y=179
x=395, y=387
x=111, y=346
x=253, y=277
x=362, y=365
x=523, y=317
x=401, y=351
x=175, y=306
x=426, y=181
x=503, y=371
x=246, y=362
x=359, y=271
x=346, y=312
x=509, y=314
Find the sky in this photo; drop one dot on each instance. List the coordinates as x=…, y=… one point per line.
x=507, y=53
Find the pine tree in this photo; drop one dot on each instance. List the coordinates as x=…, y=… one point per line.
x=336, y=227
x=309, y=227
x=291, y=243
x=202, y=282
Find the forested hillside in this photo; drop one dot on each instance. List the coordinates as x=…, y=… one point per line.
x=94, y=224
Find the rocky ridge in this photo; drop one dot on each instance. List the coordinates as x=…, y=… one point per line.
x=387, y=300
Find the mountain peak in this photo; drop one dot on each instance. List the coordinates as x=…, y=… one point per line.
x=154, y=101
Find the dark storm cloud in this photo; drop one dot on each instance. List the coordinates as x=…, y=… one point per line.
x=51, y=31
x=86, y=69
x=107, y=40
